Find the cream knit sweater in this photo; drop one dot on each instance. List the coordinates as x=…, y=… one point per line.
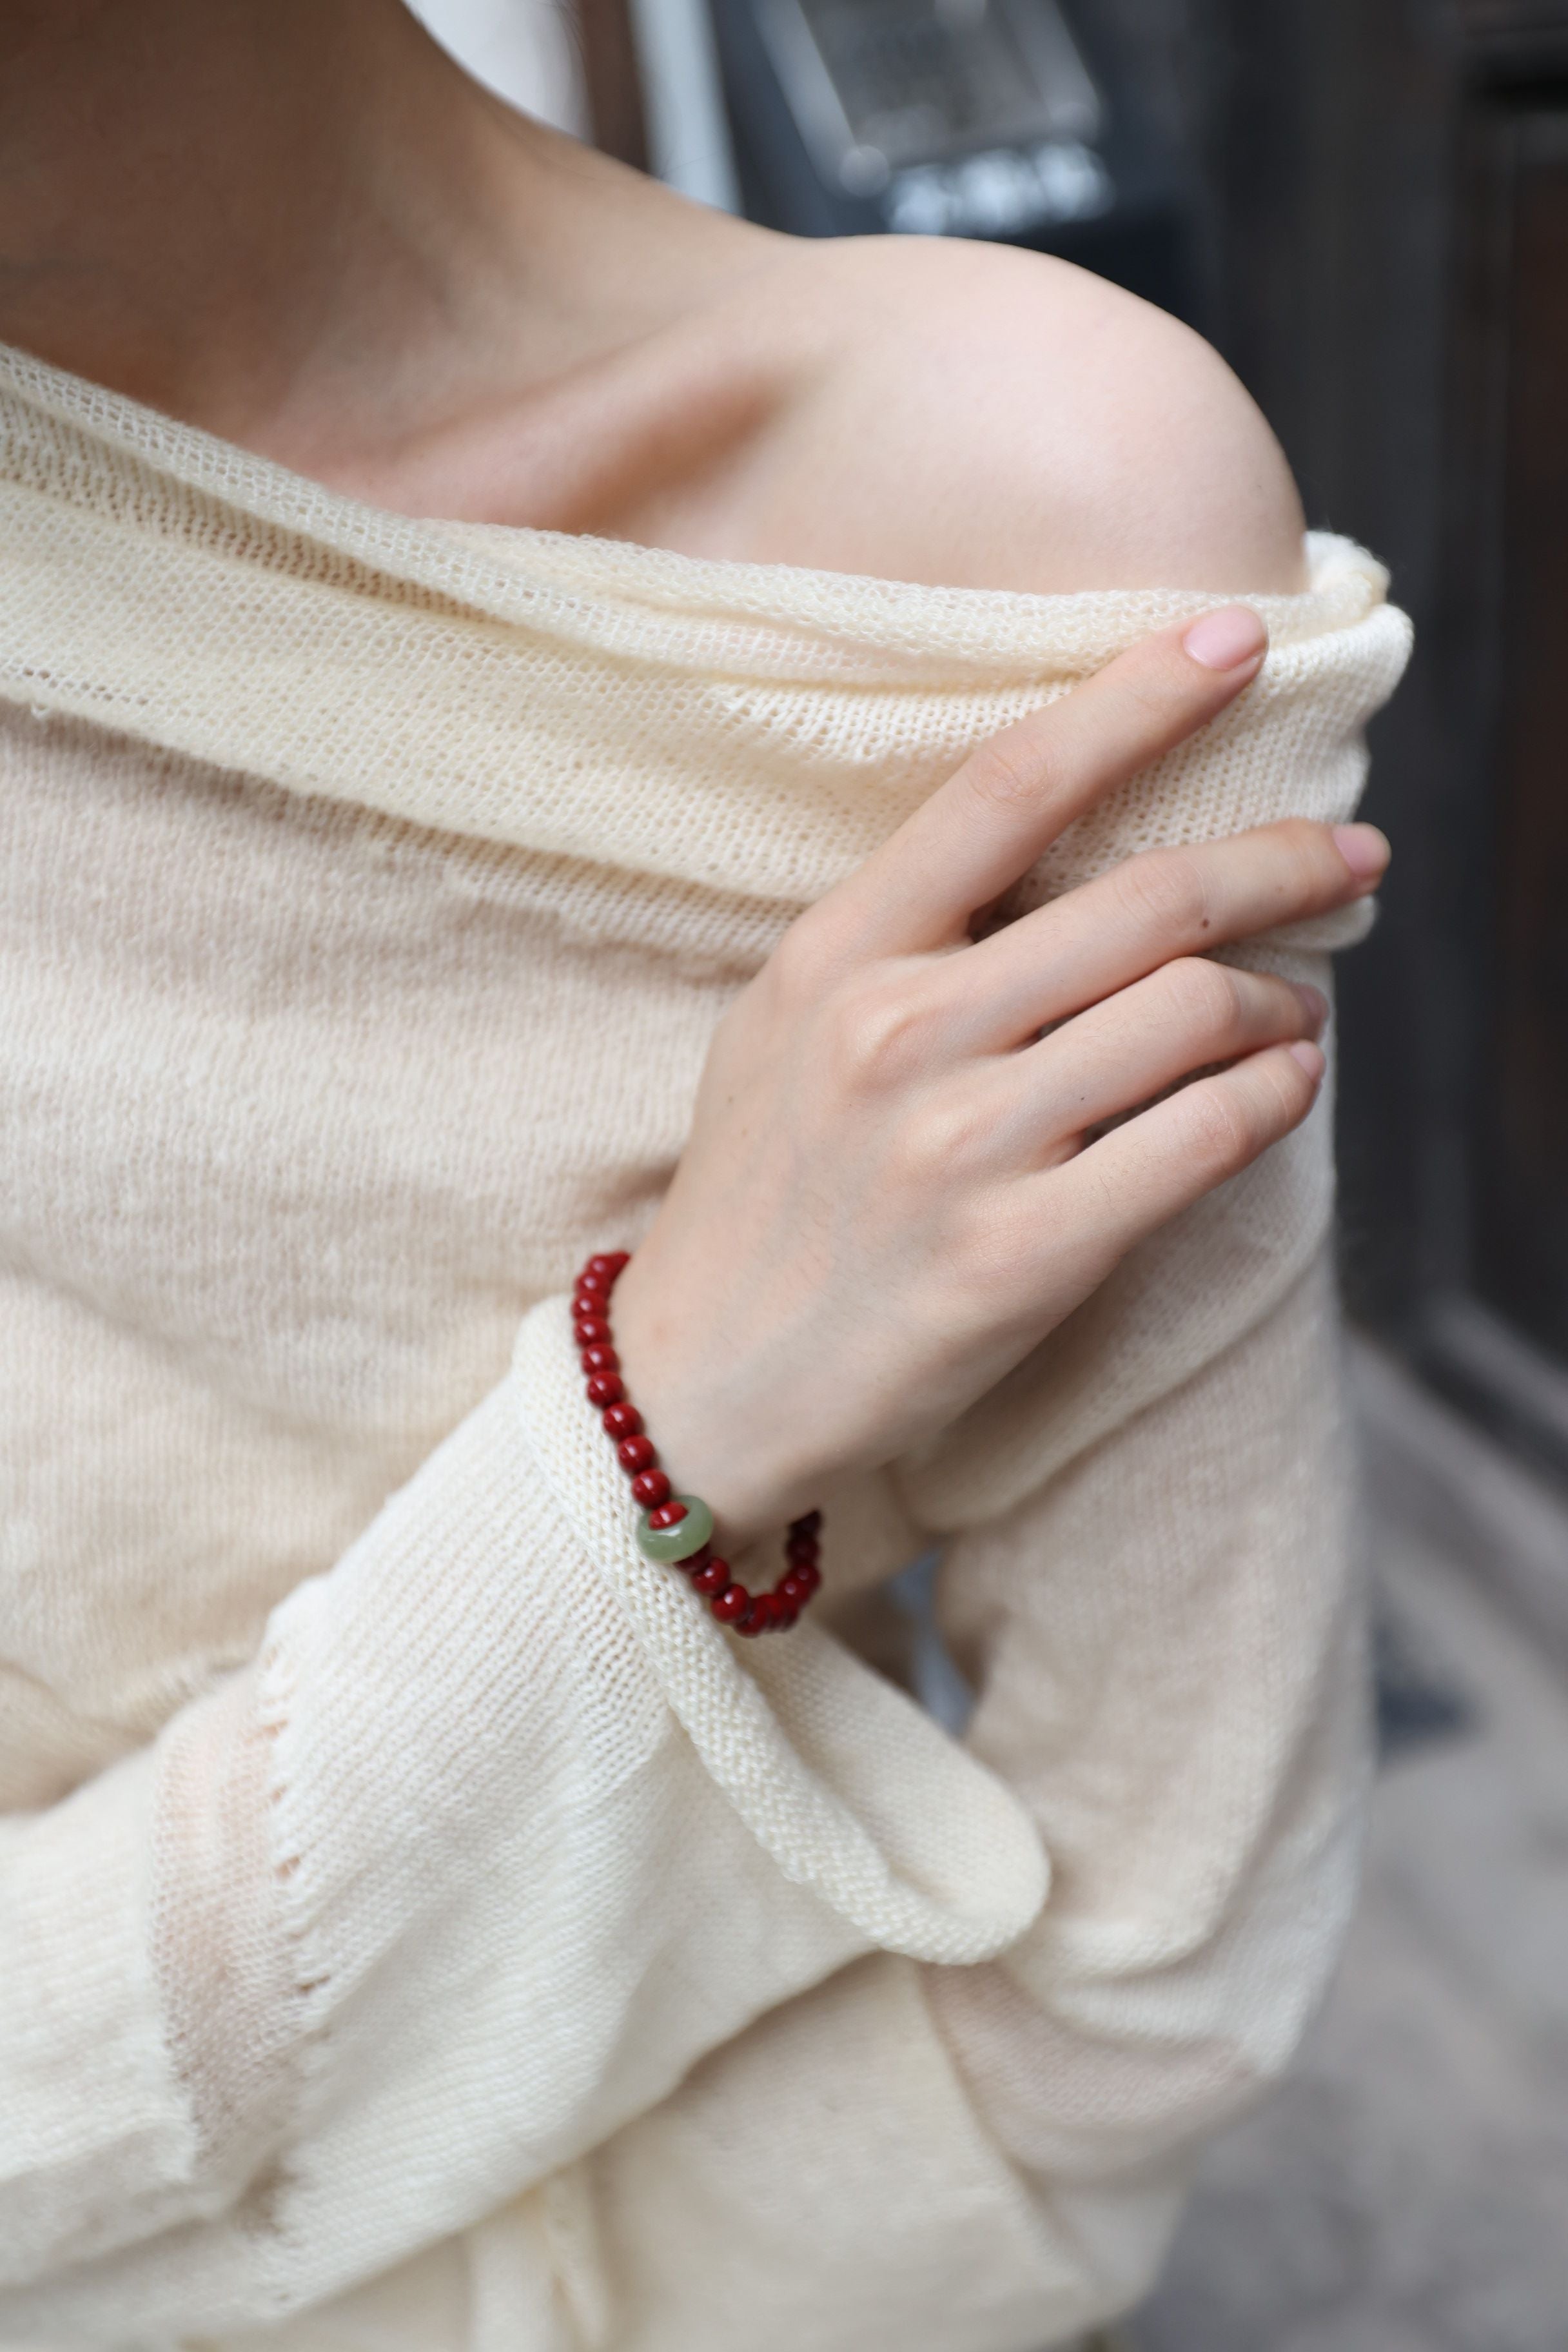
x=421, y=1928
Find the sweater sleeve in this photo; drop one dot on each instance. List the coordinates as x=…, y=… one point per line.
x=500, y=1868
x=1167, y=1642
x=492, y=1842
x=1150, y=1579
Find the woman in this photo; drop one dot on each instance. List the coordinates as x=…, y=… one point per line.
x=424, y=1926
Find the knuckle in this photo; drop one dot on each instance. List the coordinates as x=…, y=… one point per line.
x=883, y=1030
x=1010, y=771
x=1220, y=1135
x=943, y=1140
x=1167, y=892
x=1206, y=997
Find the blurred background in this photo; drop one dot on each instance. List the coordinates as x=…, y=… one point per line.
x=1364, y=205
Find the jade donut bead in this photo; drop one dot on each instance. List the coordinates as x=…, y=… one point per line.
x=687, y=1536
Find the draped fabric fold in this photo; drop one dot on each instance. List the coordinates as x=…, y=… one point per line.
x=734, y=727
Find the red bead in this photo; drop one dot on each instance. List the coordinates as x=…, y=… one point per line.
x=609, y=1262
x=784, y=1616
x=600, y=1359
x=667, y=1515
x=806, y=1524
x=694, y=1562
x=793, y=1589
x=650, y=1488
x=623, y=1419
x=635, y=1453
x=712, y=1576
x=811, y=1573
x=732, y=1602
x=802, y=1548
x=607, y=1388
x=590, y=1284
x=753, y=1622
x=591, y=1331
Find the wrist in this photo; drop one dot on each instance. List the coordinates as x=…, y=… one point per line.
x=703, y=1436
x=679, y=1528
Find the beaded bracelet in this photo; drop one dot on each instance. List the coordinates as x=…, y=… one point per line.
x=678, y=1529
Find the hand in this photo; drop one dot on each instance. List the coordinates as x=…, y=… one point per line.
x=894, y=1187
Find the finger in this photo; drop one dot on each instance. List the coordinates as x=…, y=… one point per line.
x=1166, y=903
x=1183, y=1018
x=990, y=821
x=1138, y=1177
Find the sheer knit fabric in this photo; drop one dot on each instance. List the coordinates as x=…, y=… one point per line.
x=422, y=1930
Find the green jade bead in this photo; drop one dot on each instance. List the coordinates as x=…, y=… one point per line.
x=687, y=1536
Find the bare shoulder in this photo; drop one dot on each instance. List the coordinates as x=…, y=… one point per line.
x=913, y=409
x=987, y=418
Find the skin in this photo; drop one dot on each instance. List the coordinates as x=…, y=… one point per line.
x=296, y=224
x=892, y=1189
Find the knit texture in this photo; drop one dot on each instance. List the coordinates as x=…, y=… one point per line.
x=422, y=1928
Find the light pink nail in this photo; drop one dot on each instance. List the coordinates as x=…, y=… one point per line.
x=1316, y=1003
x=1225, y=639
x=1309, y=1058
x=1365, y=850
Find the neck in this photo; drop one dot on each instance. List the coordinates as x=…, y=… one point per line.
x=269, y=216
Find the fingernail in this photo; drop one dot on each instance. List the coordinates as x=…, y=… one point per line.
x=1365, y=850
x=1309, y=1057
x=1316, y=1004
x=1224, y=640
